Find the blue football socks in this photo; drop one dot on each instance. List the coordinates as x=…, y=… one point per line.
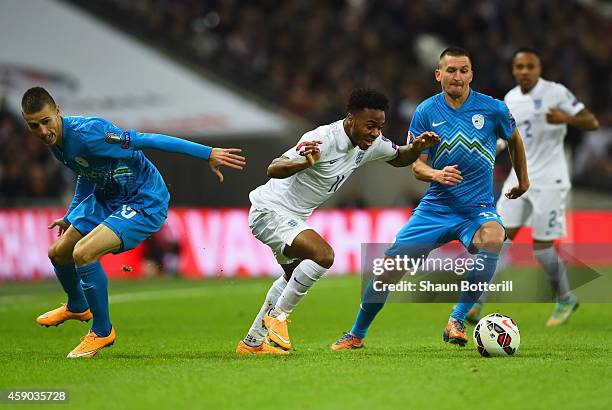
x=95, y=287
x=483, y=271
x=371, y=303
x=71, y=283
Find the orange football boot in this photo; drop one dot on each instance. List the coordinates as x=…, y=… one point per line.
x=58, y=316
x=347, y=342
x=277, y=329
x=454, y=332
x=264, y=348
x=92, y=344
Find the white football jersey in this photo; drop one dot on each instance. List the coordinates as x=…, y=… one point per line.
x=543, y=142
x=303, y=192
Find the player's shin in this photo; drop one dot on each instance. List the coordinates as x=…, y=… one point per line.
x=257, y=333
x=483, y=271
x=504, y=262
x=556, y=271
x=372, y=302
x=68, y=277
x=303, y=278
x=95, y=287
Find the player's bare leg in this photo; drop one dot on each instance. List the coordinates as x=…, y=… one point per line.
x=556, y=271
x=87, y=254
x=316, y=257
x=60, y=254
x=488, y=241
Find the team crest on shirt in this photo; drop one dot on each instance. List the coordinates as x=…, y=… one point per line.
x=478, y=121
x=537, y=104
x=81, y=161
x=112, y=138
x=359, y=157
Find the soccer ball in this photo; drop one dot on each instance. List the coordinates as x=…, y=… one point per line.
x=496, y=335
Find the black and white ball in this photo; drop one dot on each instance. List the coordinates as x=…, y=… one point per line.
x=497, y=335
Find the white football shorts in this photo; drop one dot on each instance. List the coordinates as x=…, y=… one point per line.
x=276, y=230
x=542, y=209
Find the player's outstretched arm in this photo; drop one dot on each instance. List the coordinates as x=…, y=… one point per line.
x=216, y=157
x=584, y=120
x=519, y=163
x=449, y=175
x=407, y=154
x=284, y=167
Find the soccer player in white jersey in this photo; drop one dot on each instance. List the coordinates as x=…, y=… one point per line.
x=300, y=181
x=542, y=110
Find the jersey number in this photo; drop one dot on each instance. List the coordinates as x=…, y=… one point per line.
x=127, y=212
x=337, y=183
x=528, y=133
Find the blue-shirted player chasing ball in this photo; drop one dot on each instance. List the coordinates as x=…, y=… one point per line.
x=120, y=200
x=459, y=202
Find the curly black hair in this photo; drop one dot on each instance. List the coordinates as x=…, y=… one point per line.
x=362, y=98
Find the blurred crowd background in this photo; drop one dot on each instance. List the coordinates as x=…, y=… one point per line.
x=306, y=56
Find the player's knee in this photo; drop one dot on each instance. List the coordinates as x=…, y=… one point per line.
x=491, y=239
x=83, y=255
x=58, y=255
x=325, y=257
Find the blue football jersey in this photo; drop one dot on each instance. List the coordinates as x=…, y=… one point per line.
x=468, y=139
x=104, y=155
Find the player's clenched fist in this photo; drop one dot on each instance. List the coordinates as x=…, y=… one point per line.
x=309, y=148
x=425, y=140
x=517, y=191
x=449, y=175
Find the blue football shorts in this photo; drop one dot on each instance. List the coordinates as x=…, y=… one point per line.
x=427, y=230
x=130, y=225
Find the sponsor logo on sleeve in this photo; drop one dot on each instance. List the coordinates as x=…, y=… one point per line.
x=126, y=140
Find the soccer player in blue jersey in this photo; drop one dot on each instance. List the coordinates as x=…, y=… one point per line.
x=120, y=200
x=459, y=202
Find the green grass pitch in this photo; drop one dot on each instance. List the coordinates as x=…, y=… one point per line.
x=176, y=340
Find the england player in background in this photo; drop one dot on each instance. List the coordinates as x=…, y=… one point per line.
x=543, y=110
x=120, y=200
x=296, y=188
x=459, y=202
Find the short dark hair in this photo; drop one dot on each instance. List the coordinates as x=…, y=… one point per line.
x=525, y=50
x=35, y=99
x=456, y=51
x=362, y=98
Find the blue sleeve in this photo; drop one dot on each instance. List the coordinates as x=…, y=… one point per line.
x=169, y=144
x=505, y=121
x=84, y=188
x=106, y=140
x=418, y=125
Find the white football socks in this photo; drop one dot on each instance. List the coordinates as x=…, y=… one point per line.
x=556, y=271
x=303, y=278
x=257, y=333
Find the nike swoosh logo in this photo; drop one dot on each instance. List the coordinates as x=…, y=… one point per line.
x=280, y=337
x=115, y=216
x=73, y=355
x=435, y=124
